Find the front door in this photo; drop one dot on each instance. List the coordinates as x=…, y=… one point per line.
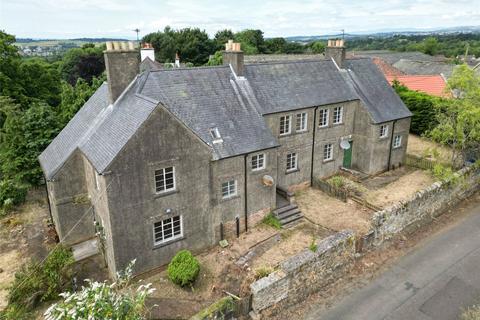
x=347, y=156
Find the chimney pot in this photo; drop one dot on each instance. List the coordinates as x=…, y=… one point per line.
x=336, y=50
x=122, y=66
x=233, y=56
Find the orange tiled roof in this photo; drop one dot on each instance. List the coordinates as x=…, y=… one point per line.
x=386, y=68
x=431, y=84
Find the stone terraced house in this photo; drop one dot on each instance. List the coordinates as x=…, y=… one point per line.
x=166, y=159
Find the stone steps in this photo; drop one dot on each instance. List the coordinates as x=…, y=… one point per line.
x=288, y=215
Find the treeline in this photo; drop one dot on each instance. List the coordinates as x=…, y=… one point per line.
x=451, y=45
x=37, y=99
x=194, y=45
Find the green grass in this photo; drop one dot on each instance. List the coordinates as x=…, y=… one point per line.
x=263, y=272
x=272, y=221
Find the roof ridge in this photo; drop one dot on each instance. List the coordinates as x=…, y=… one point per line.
x=191, y=68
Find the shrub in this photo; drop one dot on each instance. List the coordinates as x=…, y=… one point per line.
x=337, y=182
x=103, y=301
x=38, y=282
x=262, y=272
x=183, y=269
x=272, y=221
x=445, y=174
x=313, y=245
x=11, y=193
x=472, y=313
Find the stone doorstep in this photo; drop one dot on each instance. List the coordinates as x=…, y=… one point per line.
x=85, y=249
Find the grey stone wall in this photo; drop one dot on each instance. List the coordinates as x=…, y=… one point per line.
x=424, y=205
x=303, y=274
x=70, y=204
x=134, y=206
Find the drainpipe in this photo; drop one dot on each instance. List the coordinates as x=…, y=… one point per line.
x=391, y=145
x=245, y=191
x=313, y=144
x=48, y=200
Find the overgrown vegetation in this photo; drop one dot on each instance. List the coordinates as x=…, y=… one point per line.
x=36, y=283
x=272, y=221
x=263, y=272
x=459, y=120
x=221, y=307
x=445, y=174
x=104, y=301
x=472, y=313
x=183, y=269
x=37, y=99
x=313, y=245
x=337, y=182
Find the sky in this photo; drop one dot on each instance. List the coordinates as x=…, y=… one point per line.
x=117, y=18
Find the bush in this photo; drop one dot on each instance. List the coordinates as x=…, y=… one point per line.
x=11, y=193
x=262, y=272
x=183, y=269
x=272, y=221
x=445, y=174
x=39, y=282
x=337, y=182
x=103, y=301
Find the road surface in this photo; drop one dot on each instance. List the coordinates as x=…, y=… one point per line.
x=434, y=282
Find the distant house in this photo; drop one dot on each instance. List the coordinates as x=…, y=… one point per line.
x=168, y=159
x=434, y=85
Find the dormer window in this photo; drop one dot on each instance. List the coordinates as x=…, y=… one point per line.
x=217, y=138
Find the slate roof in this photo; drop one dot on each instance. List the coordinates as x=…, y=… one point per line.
x=425, y=67
x=213, y=97
x=284, y=86
x=381, y=101
x=208, y=97
x=55, y=155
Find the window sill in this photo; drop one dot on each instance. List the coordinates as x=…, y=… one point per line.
x=382, y=138
x=324, y=127
x=229, y=198
x=338, y=124
x=258, y=171
x=164, y=194
x=284, y=135
x=166, y=243
x=329, y=160
x=395, y=148
x=292, y=171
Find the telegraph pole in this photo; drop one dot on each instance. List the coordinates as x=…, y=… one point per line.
x=137, y=31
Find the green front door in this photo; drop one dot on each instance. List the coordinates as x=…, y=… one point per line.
x=347, y=156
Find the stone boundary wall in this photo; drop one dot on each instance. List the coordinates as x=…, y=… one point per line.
x=304, y=274
x=424, y=205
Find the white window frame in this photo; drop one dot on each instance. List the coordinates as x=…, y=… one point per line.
x=383, y=131
x=256, y=159
x=338, y=115
x=397, y=141
x=302, y=120
x=287, y=123
x=293, y=157
x=174, y=236
x=173, y=188
x=215, y=133
x=230, y=194
x=323, y=118
x=328, y=152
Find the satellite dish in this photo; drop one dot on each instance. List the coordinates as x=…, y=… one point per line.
x=345, y=145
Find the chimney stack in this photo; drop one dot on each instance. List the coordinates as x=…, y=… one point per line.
x=233, y=56
x=122, y=66
x=147, y=51
x=336, y=50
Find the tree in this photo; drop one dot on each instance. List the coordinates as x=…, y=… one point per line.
x=317, y=47
x=24, y=135
x=85, y=63
x=275, y=45
x=192, y=44
x=222, y=37
x=252, y=41
x=216, y=59
x=459, y=121
x=430, y=46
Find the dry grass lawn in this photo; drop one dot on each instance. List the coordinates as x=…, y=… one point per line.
x=332, y=213
x=400, y=189
x=422, y=147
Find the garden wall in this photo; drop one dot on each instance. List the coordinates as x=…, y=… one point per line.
x=303, y=274
x=424, y=205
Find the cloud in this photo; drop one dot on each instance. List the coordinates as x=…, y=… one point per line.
x=275, y=17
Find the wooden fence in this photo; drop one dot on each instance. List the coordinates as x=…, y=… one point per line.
x=421, y=163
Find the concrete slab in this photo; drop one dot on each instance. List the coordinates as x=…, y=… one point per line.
x=85, y=249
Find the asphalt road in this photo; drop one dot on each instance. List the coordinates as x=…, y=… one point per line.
x=434, y=282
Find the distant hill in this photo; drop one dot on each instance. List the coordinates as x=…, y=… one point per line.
x=387, y=33
x=86, y=40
